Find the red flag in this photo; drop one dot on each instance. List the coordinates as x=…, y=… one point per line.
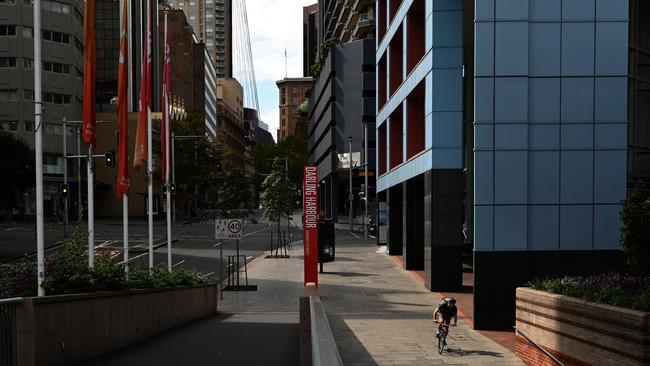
x=140, y=153
x=90, y=72
x=122, y=107
x=165, y=124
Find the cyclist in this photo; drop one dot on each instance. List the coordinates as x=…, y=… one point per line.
x=447, y=310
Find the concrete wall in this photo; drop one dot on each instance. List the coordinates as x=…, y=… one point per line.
x=69, y=329
x=579, y=332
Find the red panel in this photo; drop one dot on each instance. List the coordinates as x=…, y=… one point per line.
x=381, y=19
x=382, y=148
x=396, y=138
x=396, y=61
x=381, y=92
x=415, y=121
x=394, y=5
x=415, y=35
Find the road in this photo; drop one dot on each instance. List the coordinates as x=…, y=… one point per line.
x=194, y=246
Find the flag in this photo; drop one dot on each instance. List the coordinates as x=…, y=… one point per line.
x=165, y=124
x=140, y=153
x=90, y=72
x=123, y=107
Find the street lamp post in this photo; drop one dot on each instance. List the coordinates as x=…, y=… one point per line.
x=65, y=177
x=365, y=186
x=351, y=196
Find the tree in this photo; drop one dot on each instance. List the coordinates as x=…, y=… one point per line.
x=635, y=232
x=233, y=190
x=277, y=195
x=17, y=167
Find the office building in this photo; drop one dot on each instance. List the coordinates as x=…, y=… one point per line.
x=212, y=24
x=345, y=20
x=292, y=93
x=62, y=83
x=502, y=126
x=309, y=37
x=342, y=105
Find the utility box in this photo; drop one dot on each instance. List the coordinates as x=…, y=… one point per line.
x=326, y=241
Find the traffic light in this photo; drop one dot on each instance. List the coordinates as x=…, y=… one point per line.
x=65, y=189
x=172, y=189
x=110, y=159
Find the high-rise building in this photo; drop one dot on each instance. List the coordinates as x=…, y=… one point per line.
x=309, y=37
x=342, y=106
x=62, y=84
x=212, y=24
x=293, y=92
x=506, y=128
x=345, y=20
x=230, y=121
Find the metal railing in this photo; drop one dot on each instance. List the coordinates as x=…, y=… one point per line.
x=324, y=351
x=538, y=346
x=8, y=331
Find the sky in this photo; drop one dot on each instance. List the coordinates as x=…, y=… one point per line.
x=275, y=25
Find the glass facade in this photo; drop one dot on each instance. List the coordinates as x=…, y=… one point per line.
x=639, y=95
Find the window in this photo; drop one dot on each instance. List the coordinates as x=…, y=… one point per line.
x=56, y=67
x=79, y=45
x=29, y=126
x=7, y=62
x=7, y=30
x=284, y=111
x=28, y=94
x=28, y=32
x=8, y=126
x=56, y=37
x=28, y=63
x=78, y=16
x=8, y=95
x=7, y=2
x=78, y=73
x=56, y=98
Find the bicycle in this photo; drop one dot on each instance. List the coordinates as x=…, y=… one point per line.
x=442, y=336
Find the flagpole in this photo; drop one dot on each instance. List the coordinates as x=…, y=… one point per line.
x=38, y=140
x=149, y=142
x=166, y=162
x=91, y=208
x=125, y=196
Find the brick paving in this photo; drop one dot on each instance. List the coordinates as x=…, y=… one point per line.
x=381, y=315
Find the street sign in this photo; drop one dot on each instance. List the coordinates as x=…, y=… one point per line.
x=229, y=228
x=344, y=160
x=310, y=223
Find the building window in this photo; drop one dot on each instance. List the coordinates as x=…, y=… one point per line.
x=51, y=5
x=7, y=95
x=56, y=67
x=28, y=63
x=29, y=126
x=78, y=16
x=7, y=2
x=294, y=100
x=56, y=98
x=28, y=32
x=56, y=37
x=7, y=30
x=284, y=111
x=9, y=126
x=7, y=62
x=28, y=94
x=79, y=45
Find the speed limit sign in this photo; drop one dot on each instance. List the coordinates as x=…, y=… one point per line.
x=229, y=229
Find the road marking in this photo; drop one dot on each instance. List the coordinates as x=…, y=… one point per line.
x=181, y=262
x=355, y=235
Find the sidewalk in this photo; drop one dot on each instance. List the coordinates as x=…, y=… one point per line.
x=381, y=315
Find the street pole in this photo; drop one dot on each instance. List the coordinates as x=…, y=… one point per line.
x=351, y=195
x=150, y=186
x=167, y=166
x=173, y=177
x=65, y=177
x=79, y=205
x=286, y=177
x=365, y=171
x=91, y=208
x=38, y=140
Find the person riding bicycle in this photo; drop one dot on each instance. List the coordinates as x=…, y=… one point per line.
x=447, y=310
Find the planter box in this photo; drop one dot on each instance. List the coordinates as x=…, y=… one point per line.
x=579, y=332
x=68, y=329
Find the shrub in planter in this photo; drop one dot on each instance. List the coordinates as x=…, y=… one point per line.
x=160, y=277
x=18, y=279
x=635, y=232
x=68, y=271
x=611, y=288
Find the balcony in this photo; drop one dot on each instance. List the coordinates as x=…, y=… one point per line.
x=365, y=25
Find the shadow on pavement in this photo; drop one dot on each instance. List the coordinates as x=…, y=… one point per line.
x=224, y=339
x=350, y=347
x=458, y=352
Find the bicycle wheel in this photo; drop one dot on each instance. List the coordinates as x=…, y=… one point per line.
x=441, y=340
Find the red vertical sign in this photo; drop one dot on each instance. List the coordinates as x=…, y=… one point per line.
x=310, y=223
